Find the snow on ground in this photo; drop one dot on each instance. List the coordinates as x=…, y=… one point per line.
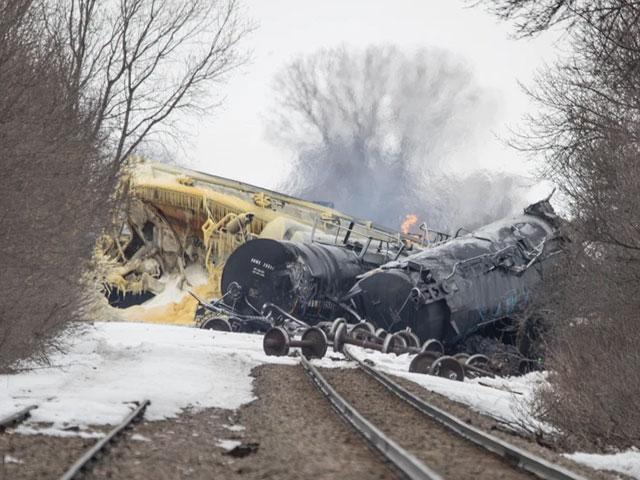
x=234, y=428
x=228, y=444
x=10, y=459
x=505, y=399
x=627, y=462
x=27, y=429
x=107, y=366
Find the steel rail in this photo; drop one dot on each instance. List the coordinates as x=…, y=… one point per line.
x=512, y=454
x=16, y=417
x=90, y=454
x=407, y=464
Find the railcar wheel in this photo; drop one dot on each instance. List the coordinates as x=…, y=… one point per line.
x=422, y=362
x=338, y=338
x=477, y=366
x=478, y=360
x=389, y=343
x=366, y=326
x=335, y=324
x=317, y=343
x=400, y=345
x=381, y=333
x=363, y=331
x=220, y=324
x=363, y=335
x=433, y=345
x=448, y=367
x=410, y=338
x=276, y=342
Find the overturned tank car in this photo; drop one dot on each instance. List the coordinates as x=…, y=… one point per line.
x=304, y=280
x=455, y=289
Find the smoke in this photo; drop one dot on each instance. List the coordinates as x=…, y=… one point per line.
x=475, y=199
x=378, y=133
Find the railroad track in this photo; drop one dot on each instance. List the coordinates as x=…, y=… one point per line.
x=92, y=454
x=88, y=457
x=415, y=455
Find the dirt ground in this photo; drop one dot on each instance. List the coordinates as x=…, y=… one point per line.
x=289, y=432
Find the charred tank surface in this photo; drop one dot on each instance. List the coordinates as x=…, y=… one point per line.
x=305, y=280
x=455, y=289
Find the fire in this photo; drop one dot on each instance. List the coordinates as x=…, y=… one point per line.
x=409, y=220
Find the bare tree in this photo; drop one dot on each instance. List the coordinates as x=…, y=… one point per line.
x=139, y=63
x=54, y=189
x=82, y=85
x=531, y=17
x=588, y=125
x=374, y=131
x=588, y=131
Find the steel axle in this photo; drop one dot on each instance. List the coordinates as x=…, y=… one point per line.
x=313, y=342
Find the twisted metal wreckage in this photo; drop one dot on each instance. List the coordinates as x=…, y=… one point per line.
x=282, y=265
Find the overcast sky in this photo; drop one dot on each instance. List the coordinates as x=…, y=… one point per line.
x=232, y=143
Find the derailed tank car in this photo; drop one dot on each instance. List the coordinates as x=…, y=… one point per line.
x=455, y=289
x=304, y=280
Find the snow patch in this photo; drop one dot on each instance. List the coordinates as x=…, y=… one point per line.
x=234, y=428
x=26, y=429
x=332, y=360
x=108, y=365
x=228, y=444
x=10, y=459
x=627, y=462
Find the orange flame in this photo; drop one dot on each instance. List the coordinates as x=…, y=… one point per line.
x=409, y=220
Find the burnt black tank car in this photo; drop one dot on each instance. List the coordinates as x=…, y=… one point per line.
x=305, y=280
x=454, y=289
